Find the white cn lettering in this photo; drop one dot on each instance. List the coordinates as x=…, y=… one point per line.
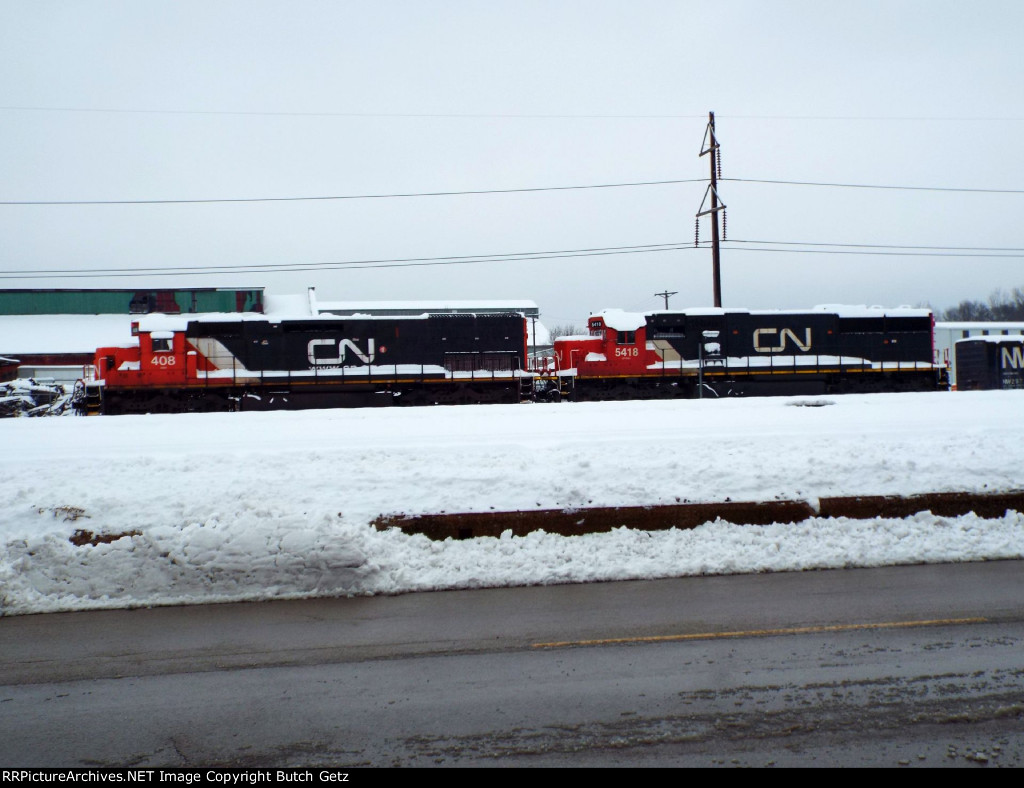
x=1013, y=357
x=760, y=347
x=344, y=345
x=311, y=352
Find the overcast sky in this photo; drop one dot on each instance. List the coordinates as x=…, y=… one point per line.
x=218, y=99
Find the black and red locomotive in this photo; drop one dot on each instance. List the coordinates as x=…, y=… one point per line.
x=254, y=362
x=257, y=363
x=734, y=352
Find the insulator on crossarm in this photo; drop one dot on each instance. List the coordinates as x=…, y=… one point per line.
x=718, y=162
x=725, y=223
x=696, y=232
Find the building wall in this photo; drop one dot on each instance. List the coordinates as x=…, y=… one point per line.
x=120, y=302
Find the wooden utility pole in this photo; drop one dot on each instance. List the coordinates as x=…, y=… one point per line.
x=665, y=295
x=711, y=147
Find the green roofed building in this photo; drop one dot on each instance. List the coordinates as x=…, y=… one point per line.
x=138, y=301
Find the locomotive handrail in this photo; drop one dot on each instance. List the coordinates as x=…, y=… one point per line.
x=215, y=364
x=777, y=364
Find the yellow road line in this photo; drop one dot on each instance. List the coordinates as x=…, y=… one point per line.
x=750, y=633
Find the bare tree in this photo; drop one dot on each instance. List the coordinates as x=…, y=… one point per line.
x=1001, y=306
x=566, y=330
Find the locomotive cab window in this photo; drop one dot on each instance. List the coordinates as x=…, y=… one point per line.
x=162, y=345
x=626, y=338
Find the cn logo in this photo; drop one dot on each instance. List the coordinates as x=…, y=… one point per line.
x=341, y=347
x=762, y=336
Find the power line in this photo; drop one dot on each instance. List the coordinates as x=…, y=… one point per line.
x=480, y=257
x=885, y=246
x=875, y=186
x=881, y=118
x=510, y=115
x=871, y=253
x=624, y=184
x=351, y=196
x=440, y=115
x=357, y=265
x=793, y=247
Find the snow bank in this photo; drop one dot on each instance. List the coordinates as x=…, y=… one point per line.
x=223, y=507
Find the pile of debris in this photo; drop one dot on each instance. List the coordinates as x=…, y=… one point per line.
x=38, y=397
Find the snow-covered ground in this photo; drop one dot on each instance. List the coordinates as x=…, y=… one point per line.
x=243, y=506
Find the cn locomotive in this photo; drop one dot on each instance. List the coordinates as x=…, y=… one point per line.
x=732, y=352
x=254, y=362
x=257, y=363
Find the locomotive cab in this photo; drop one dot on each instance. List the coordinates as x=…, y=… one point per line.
x=617, y=346
x=163, y=357
x=159, y=359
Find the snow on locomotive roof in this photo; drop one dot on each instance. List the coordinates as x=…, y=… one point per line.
x=848, y=310
x=157, y=321
x=842, y=310
x=161, y=322
x=620, y=320
x=373, y=307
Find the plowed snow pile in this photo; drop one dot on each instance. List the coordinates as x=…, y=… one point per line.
x=147, y=510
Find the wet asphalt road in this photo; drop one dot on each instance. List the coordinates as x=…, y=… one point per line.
x=902, y=667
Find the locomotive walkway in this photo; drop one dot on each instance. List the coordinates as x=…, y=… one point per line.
x=571, y=522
